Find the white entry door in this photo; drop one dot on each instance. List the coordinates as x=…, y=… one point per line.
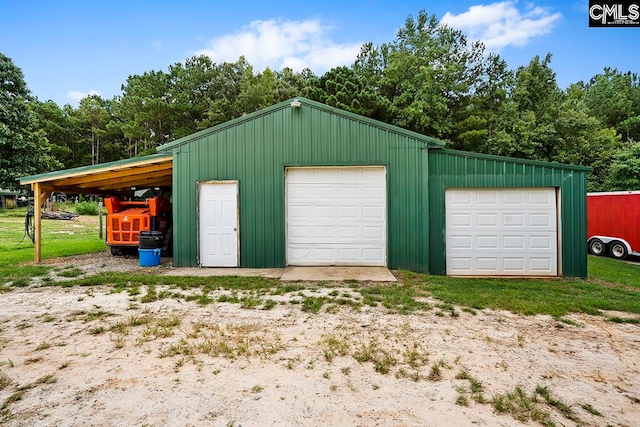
x=218, y=223
x=336, y=216
x=501, y=232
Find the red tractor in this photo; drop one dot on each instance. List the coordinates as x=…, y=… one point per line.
x=127, y=219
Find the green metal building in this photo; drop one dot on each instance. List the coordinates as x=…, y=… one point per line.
x=302, y=183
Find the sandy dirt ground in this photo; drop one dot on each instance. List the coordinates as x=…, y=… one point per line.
x=88, y=356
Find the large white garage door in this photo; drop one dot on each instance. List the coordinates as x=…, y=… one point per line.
x=336, y=216
x=501, y=232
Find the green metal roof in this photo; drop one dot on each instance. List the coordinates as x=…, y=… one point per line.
x=4, y=192
x=516, y=160
x=93, y=168
x=305, y=102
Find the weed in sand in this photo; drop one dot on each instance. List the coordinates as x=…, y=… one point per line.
x=71, y=272
x=631, y=320
x=520, y=406
x=313, y=304
x=4, y=380
x=249, y=302
x=47, y=379
x=138, y=320
x=23, y=325
x=333, y=346
x=590, y=409
x=48, y=319
x=346, y=370
x=43, y=346
x=475, y=387
x=32, y=360
x=416, y=357
x=257, y=388
x=326, y=375
x=462, y=398
x=269, y=304
x=64, y=365
x=118, y=339
x=382, y=360
x=20, y=282
x=97, y=330
x=557, y=403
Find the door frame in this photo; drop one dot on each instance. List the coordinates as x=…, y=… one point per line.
x=199, y=185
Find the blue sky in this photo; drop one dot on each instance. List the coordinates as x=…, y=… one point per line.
x=69, y=49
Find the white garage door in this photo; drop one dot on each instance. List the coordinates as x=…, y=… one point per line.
x=336, y=216
x=501, y=232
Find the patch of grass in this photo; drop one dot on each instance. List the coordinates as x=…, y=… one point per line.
x=47, y=379
x=333, y=346
x=614, y=271
x=590, y=409
x=557, y=403
x=313, y=304
x=382, y=359
x=4, y=380
x=20, y=282
x=43, y=346
x=523, y=296
x=32, y=360
x=397, y=298
x=631, y=320
x=570, y=322
x=72, y=272
x=257, y=388
x=97, y=330
x=520, y=406
x=269, y=304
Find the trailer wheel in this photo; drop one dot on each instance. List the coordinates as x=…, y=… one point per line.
x=597, y=247
x=618, y=250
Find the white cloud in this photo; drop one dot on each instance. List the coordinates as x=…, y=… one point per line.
x=278, y=44
x=76, y=95
x=502, y=24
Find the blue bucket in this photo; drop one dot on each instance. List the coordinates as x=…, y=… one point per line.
x=149, y=257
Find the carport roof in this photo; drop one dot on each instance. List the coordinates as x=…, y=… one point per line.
x=150, y=171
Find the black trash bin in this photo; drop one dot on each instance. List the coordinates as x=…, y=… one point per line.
x=150, y=240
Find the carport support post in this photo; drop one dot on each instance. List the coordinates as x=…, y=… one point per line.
x=40, y=195
x=37, y=215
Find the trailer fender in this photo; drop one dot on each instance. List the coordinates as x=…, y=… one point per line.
x=608, y=239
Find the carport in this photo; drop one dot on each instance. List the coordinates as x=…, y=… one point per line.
x=103, y=179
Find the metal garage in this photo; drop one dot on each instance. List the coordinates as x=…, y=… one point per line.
x=303, y=183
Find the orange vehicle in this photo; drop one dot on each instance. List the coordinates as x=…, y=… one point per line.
x=126, y=219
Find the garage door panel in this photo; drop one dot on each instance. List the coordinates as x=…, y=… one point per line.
x=501, y=232
x=336, y=216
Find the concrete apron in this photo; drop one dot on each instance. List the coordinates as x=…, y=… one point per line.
x=294, y=274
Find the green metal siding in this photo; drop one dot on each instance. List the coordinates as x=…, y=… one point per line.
x=453, y=169
x=257, y=149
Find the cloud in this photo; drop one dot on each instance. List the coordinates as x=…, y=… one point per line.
x=278, y=44
x=76, y=95
x=502, y=24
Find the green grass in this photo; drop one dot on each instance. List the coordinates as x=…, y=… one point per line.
x=613, y=271
x=557, y=297
x=59, y=238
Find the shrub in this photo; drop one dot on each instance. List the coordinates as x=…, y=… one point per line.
x=86, y=208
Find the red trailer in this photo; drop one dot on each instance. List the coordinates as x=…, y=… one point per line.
x=613, y=223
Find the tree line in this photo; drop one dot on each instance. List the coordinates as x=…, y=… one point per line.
x=430, y=79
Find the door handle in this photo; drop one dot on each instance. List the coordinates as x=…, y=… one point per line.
x=235, y=229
